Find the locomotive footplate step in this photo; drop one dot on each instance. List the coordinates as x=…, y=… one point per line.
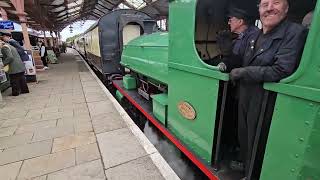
x=146, y=105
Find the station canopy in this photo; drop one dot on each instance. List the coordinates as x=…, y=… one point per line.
x=55, y=15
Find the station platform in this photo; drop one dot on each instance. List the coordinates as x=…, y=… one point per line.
x=69, y=127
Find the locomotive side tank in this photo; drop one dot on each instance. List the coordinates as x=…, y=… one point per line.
x=154, y=62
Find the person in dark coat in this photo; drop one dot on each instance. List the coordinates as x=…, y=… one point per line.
x=270, y=55
x=16, y=68
x=7, y=38
x=242, y=26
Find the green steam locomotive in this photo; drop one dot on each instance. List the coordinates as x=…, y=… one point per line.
x=168, y=77
x=190, y=97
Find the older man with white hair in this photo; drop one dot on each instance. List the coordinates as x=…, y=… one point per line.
x=270, y=55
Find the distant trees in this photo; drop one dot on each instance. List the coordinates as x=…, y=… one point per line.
x=70, y=39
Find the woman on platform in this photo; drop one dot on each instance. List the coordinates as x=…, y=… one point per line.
x=16, y=68
x=43, y=54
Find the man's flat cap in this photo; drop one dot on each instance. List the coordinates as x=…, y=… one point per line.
x=4, y=33
x=239, y=13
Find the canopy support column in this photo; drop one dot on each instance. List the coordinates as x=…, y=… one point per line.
x=19, y=5
x=4, y=14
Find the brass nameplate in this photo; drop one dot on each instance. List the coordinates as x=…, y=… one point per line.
x=186, y=110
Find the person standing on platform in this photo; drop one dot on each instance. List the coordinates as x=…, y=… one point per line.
x=43, y=54
x=16, y=68
x=7, y=38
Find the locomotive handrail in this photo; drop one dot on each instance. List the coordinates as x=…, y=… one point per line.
x=212, y=72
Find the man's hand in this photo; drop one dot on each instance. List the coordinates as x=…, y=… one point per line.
x=236, y=74
x=222, y=67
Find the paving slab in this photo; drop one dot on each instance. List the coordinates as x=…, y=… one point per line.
x=17, y=114
x=10, y=171
x=119, y=146
x=87, y=153
x=26, y=151
x=107, y=122
x=47, y=164
x=15, y=140
x=56, y=115
x=81, y=127
x=1, y=122
x=36, y=126
x=7, y=131
x=39, y=178
x=73, y=141
x=87, y=171
x=80, y=123
x=94, y=96
x=12, y=122
x=101, y=107
x=50, y=133
x=90, y=84
x=141, y=168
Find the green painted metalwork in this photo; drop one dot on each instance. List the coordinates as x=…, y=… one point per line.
x=183, y=62
x=129, y=82
x=192, y=81
x=154, y=62
x=293, y=145
x=119, y=96
x=159, y=107
x=187, y=87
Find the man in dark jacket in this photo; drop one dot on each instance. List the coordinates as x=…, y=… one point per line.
x=242, y=25
x=16, y=68
x=270, y=55
x=7, y=38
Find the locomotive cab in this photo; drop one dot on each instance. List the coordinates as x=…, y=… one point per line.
x=210, y=19
x=199, y=106
x=212, y=132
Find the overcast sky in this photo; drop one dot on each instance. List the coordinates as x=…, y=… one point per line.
x=78, y=27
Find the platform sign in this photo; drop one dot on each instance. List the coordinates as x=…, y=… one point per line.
x=8, y=25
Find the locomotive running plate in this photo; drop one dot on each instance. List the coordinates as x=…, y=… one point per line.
x=186, y=110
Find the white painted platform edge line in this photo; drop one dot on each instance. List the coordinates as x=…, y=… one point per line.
x=164, y=168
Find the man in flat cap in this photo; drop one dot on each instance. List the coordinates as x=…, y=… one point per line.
x=16, y=71
x=6, y=36
x=242, y=25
